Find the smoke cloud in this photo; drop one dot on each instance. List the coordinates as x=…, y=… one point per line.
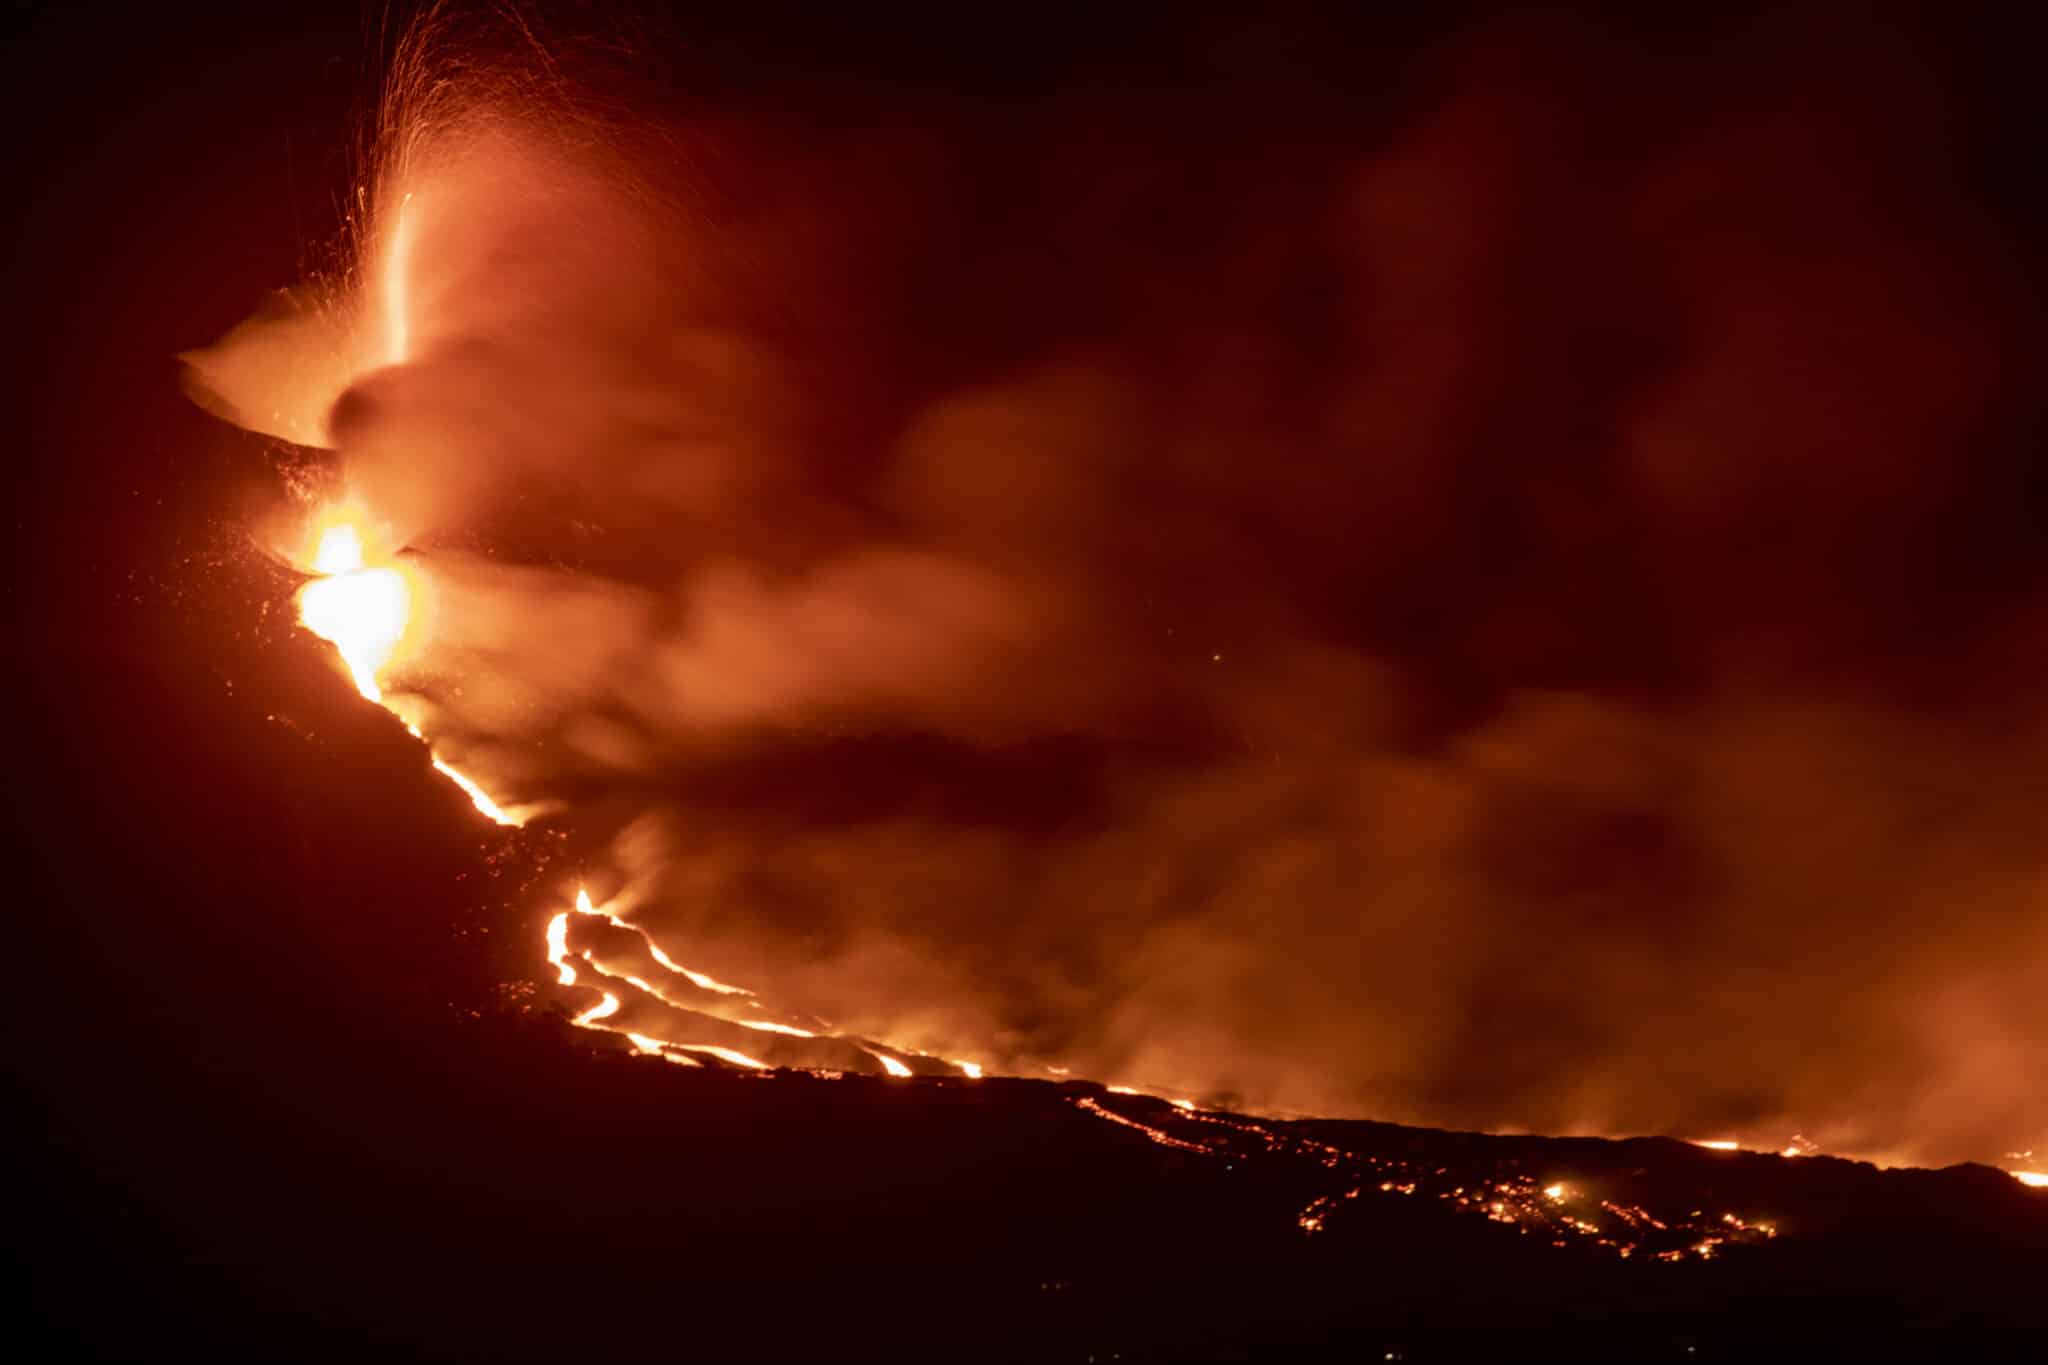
x=1477, y=578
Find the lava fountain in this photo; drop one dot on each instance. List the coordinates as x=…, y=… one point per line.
x=364, y=610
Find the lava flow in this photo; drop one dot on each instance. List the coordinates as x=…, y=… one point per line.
x=683, y=1014
x=364, y=610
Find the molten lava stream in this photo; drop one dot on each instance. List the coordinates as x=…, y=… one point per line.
x=364, y=610
x=694, y=1004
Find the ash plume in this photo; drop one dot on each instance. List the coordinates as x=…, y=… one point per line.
x=1486, y=582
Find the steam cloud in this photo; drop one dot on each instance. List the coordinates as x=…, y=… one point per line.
x=1485, y=589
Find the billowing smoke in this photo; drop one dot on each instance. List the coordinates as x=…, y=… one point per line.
x=1480, y=578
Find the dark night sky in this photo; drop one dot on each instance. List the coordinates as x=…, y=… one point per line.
x=1608, y=463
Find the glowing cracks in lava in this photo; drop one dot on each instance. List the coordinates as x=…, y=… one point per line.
x=1514, y=1201
x=1312, y=1218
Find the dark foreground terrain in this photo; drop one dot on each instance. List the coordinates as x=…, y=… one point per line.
x=496, y=1192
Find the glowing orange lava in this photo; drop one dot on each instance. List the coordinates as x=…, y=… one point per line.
x=558, y=949
x=364, y=610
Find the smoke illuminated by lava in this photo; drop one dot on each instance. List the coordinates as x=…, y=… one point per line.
x=1354, y=623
